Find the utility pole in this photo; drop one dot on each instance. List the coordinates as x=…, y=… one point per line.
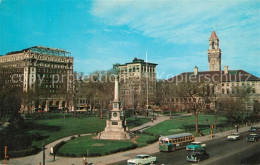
x=43, y=153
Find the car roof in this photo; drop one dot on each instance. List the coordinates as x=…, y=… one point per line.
x=142, y=155
x=196, y=142
x=235, y=133
x=253, y=134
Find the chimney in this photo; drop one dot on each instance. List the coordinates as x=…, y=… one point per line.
x=195, y=71
x=225, y=69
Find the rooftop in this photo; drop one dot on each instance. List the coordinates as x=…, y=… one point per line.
x=232, y=76
x=137, y=61
x=43, y=50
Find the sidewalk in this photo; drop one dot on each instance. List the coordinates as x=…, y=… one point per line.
x=35, y=159
x=109, y=159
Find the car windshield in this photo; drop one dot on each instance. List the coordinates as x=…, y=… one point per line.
x=234, y=134
x=164, y=142
x=139, y=157
x=253, y=127
x=195, y=143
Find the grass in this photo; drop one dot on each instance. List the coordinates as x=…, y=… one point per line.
x=95, y=147
x=177, y=125
x=132, y=122
x=143, y=139
x=54, y=129
x=81, y=145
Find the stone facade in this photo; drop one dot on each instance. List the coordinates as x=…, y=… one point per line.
x=214, y=53
x=40, y=69
x=135, y=77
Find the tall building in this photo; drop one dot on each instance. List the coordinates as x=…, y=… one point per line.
x=214, y=53
x=137, y=83
x=45, y=73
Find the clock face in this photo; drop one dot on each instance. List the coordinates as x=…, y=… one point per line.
x=213, y=62
x=115, y=114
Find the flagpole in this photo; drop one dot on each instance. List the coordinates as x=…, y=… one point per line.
x=147, y=83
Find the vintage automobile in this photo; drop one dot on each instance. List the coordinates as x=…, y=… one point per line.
x=252, y=138
x=254, y=129
x=195, y=145
x=234, y=136
x=198, y=155
x=142, y=159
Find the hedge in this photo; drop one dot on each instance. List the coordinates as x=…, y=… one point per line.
x=57, y=146
x=21, y=153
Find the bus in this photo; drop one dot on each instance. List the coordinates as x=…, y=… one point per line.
x=173, y=142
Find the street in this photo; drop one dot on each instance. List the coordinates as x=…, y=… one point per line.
x=220, y=150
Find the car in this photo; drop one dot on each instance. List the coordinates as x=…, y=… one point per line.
x=252, y=138
x=254, y=129
x=142, y=159
x=234, y=136
x=197, y=155
x=195, y=145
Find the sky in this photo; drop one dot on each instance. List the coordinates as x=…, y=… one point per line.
x=100, y=33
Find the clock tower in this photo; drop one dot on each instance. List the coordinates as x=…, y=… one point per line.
x=214, y=53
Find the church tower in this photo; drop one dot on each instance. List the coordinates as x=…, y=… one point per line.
x=214, y=53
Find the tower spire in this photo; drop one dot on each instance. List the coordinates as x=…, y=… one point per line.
x=213, y=35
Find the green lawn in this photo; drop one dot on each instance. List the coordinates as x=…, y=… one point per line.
x=54, y=129
x=96, y=147
x=80, y=146
x=143, y=139
x=132, y=122
x=177, y=125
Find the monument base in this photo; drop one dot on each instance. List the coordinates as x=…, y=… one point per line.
x=112, y=135
x=114, y=131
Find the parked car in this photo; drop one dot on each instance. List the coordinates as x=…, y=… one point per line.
x=142, y=159
x=252, y=138
x=198, y=155
x=254, y=129
x=195, y=145
x=234, y=136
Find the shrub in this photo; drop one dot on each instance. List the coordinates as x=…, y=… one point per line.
x=94, y=154
x=57, y=146
x=25, y=152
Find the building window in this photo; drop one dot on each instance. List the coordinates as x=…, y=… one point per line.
x=223, y=91
x=228, y=84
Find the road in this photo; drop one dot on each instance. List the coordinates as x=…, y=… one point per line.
x=220, y=150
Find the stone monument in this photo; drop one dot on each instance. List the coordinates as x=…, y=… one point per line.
x=115, y=126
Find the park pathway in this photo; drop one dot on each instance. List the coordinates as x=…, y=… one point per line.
x=35, y=159
x=109, y=159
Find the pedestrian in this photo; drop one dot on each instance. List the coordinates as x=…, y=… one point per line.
x=40, y=163
x=85, y=161
x=236, y=126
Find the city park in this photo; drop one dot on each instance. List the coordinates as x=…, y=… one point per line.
x=88, y=138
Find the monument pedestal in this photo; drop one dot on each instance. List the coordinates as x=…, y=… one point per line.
x=115, y=128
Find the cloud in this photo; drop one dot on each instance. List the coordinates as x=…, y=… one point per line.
x=176, y=21
x=190, y=23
